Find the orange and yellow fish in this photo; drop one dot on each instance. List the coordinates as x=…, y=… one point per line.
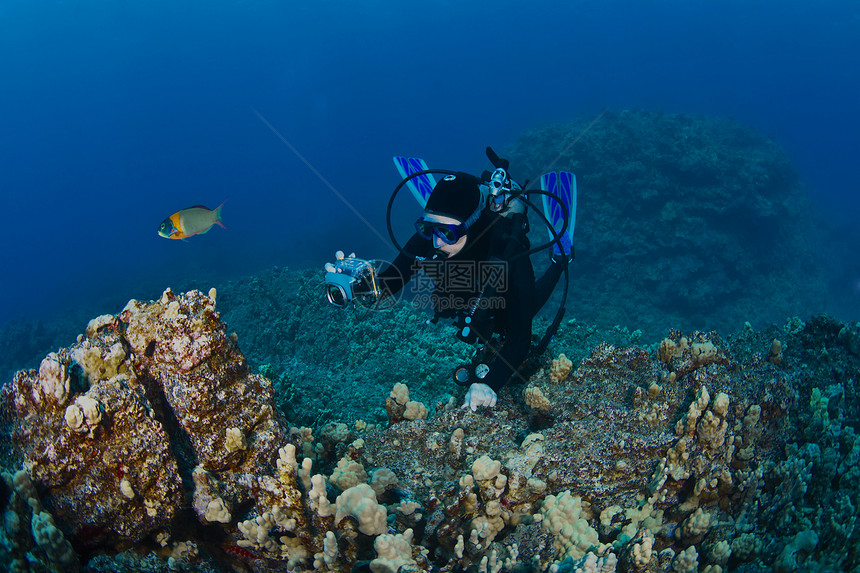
x=188, y=222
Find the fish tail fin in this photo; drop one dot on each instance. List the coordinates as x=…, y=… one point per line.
x=218, y=215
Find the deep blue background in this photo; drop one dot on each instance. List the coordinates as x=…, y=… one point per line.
x=115, y=114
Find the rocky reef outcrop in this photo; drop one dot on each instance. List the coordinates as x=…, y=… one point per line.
x=150, y=443
x=683, y=221
x=110, y=428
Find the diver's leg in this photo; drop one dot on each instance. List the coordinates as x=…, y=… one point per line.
x=545, y=285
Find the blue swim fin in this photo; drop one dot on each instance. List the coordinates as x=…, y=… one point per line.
x=422, y=185
x=562, y=184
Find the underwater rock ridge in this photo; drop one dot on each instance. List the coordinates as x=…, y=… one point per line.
x=674, y=202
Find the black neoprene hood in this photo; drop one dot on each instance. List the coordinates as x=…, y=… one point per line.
x=456, y=196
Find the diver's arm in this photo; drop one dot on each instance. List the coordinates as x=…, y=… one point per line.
x=513, y=352
x=518, y=303
x=393, y=277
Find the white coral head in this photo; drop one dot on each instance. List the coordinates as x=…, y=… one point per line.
x=74, y=417
x=54, y=377
x=91, y=408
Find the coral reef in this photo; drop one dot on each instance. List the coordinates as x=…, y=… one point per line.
x=151, y=443
x=334, y=441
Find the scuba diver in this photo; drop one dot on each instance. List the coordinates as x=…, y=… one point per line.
x=472, y=240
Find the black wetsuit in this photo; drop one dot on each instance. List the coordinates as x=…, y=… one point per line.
x=511, y=301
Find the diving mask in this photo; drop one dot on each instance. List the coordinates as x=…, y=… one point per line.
x=447, y=233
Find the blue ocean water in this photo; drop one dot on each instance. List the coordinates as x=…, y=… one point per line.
x=116, y=114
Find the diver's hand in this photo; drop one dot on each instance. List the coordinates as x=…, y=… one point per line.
x=338, y=256
x=479, y=395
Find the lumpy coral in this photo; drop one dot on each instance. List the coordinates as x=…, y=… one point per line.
x=695, y=453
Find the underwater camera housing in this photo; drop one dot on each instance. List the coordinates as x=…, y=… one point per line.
x=351, y=280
